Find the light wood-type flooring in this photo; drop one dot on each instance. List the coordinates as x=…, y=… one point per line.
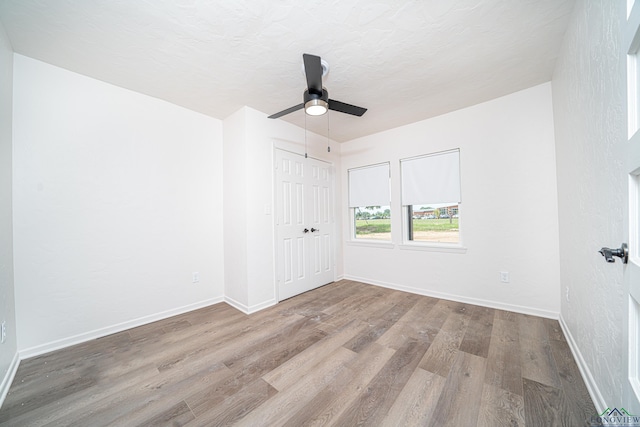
x=345, y=354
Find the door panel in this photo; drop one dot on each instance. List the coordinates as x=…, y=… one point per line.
x=301, y=258
x=287, y=260
x=304, y=202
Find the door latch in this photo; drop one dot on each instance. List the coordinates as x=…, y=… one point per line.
x=622, y=252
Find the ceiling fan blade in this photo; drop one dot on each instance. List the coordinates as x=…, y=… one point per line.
x=313, y=71
x=287, y=111
x=346, y=108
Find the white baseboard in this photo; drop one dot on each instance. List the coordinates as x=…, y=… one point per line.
x=262, y=306
x=458, y=298
x=98, y=333
x=249, y=309
x=587, y=377
x=237, y=305
x=8, y=378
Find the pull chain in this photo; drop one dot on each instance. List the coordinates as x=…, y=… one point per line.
x=305, y=134
x=328, y=140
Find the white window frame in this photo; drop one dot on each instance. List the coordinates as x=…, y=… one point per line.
x=407, y=244
x=352, y=215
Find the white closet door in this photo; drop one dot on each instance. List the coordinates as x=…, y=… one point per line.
x=304, y=224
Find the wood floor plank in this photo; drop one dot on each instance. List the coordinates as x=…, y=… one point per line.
x=249, y=354
x=507, y=316
x=288, y=373
x=356, y=303
x=532, y=327
x=215, y=316
x=344, y=354
x=53, y=391
x=443, y=350
x=213, y=346
x=547, y=406
x=332, y=401
x=375, y=302
x=411, y=325
x=374, y=402
x=537, y=362
x=380, y=325
x=176, y=415
x=536, y=358
x=326, y=296
x=436, y=317
x=69, y=406
x=478, y=334
x=272, y=357
x=236, y=406
x=503, y=358
x=162, y=403
x=499, y=407
x=554, y=331
x=417, y=401
x=459, y=402
x=56, y=367
x=284, y=405
x=145, y=397
x=573, y=386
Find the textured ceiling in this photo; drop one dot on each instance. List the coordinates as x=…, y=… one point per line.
x=403, y=60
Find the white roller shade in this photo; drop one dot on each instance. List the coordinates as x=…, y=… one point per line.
x=431, y=179
x=369, y=186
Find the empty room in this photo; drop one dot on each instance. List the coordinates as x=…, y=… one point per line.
x=381, y=213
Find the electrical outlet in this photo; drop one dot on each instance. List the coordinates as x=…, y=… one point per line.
x=3, y=332
x=567, y=293
x=504, y=276
x=196, y=277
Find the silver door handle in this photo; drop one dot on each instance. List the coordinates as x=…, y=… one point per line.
x=622, y=252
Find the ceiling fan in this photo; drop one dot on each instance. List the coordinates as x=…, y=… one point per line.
x=316, y=98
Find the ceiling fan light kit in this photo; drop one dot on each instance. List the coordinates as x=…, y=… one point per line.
x=316, y=100
x=314, y=104
x=316, y=107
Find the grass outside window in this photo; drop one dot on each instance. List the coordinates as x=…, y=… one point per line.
x=373, y=223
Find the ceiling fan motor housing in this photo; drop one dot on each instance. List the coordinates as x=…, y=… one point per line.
x=312, y=96
x=316, y=104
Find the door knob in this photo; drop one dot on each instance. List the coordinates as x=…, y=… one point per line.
x=314, y=229
x=622, y=252
x=306, y=230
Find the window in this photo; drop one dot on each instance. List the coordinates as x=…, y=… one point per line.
x=369, y=202
x=431, y=197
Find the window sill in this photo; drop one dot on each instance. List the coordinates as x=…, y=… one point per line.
x=452, y=249
x=371, y=244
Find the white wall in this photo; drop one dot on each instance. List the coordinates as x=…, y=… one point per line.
x=508, y=212
x=249, y=142
x=8, y=350
x=589, y=113
x=117, y=200
x=235, y=210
